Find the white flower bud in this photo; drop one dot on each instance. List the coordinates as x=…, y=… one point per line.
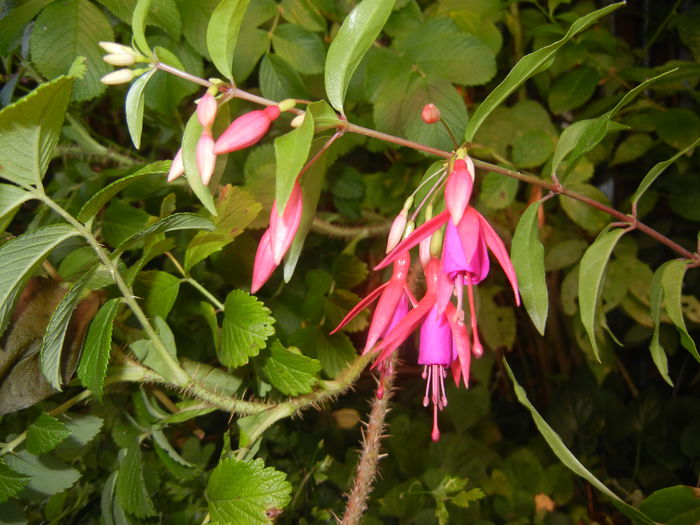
x=120, y=59
x=120, y=76
x=298, y=120
x=117, y=49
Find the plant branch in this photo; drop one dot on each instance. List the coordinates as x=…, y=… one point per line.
x=350, y=232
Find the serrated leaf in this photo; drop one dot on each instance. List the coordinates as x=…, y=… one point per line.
x=568, y=459
x=245, y=492
x=65, y=31
x=177, y=221
x=291, y=152
x=11, y=482
x=527, y=67
x=49, y=475
x=590, y=282
x=11, y=198
x=333, y=351
x=133, y=106
x=45, y=434
x=98, y=344
x=131, y=488
x=30, y=128
x=19, y=257
x=193, y=130
x=301, y=48
x=289, y=372
x=357, y=33
x=222, y=33
x=527, y=254
x=247, y=325
x=52, y=343
x=672, y=283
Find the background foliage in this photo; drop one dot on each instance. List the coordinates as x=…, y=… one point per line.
x=614, y=373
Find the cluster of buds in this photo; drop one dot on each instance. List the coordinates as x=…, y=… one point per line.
x=121, y=56
x=453, y=262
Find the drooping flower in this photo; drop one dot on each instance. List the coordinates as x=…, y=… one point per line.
x=246, y=130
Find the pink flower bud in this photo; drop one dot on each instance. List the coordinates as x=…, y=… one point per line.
x=430, y=114
x=206, y=159
x=458, y=190
x=284, y=227
x=206, y=110
x=177, y=168
x=246, y=130
x=264, y=264
x=396, y=231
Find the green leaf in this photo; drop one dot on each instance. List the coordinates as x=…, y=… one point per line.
x=658, y=354
x=527, y=67
x=591, y=276
x=83, y=429
x=672, y=283
x=98, y=344
x=12, y=24
x=333, y=351
x=65, y=31
x=572, y=89
x=18, y=259
x=49, y=475
x=120, y=221
x=527, y=254
x=52, y=343
x=213, y=378
x=45, y=434
x=301, y=48
x=138, y=26
x=678, y=127
x=586, y=216
x=247, y=325
x=498, y=192
x=159, y=291
x=133, y=106
x=679, y=505
x=11, y=482
x=656, y=171
x=102, y=197
x=177, y=221
x=348, y=270
x=222, y=33
x=244, y=492
x=532, y=148
x=632, y=148
x=291, y=152
x=279, y=81
x=30, y=128
x=289, y=372
x=569, y=460
x=193, y=130
x=131, y=487
x=11, y=198
x=359, y=30
x=304, y=13
x=146, y=353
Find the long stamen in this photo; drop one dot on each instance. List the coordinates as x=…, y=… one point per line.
x=426, y=375
x=435, y=434
x=431, y=192
x=443, y=375
x=477, y=349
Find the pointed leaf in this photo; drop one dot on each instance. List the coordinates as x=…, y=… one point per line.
x=177, y=221
x=527, y=254
x=45, y=434
x=11, y=482
x=291, y=152
x=98, y=344
x=658, y=354
x=672, y=283
x=591, y=277
x=359, y=30
x=138, y=26
x=247, y=325
x=11, y=198
x=131, y=487
x=289, y=372
x=133, y=106
x=222, y=33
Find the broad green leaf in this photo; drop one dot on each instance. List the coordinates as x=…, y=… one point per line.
x=49, y=474
x=333, y=351
x=236, y=210
x=50, y=353
x=658, y=354
x=197, y=14
x=527, y=67
x=498, y=192
x=532, y=148
x=247, y=325
x=278, y=80
x=222, y=33
x=164, y=13
x=30, y=128
x=632, y=148
x=591, y=277
x=572, y=89
x=159, y=291
x=289, y=372
x=569, y=460
x=585, y=215
x=678, y=127
x=177, y=221
x=138, y=26
x=83, y=429
x=133, y=106
x=348, y=270
x=11, y=482
x=131, y=486
x=12, y=24
x=98, y=344
x=18, y=259
x=304, y=13
x=291, y=152
x=244, y=492
x=301, y=48
x=678, y=505
x=120, y=221
x=527, y=254
x=45, y=434
x=672, y=283
x=359, y=30
x=65, y=31
x=193, y=130
x=657, y=170
x=253, y=43
x=11, y=198
x=102, y=197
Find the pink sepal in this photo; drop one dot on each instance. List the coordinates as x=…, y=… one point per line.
x=206, y=159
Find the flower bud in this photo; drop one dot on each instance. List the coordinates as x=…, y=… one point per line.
x=119, y=59
x=177, y=168
x=246, y=130
x=206, y=110
x=287, y=104
x=298, y=120
x=206, y=159
x=120, y=76
x=396, y=231
x=117, y=49
x=430, y=114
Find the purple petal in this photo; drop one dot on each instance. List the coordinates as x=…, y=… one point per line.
x=435, y=340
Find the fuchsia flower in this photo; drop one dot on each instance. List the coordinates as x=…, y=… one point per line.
x=246, y=130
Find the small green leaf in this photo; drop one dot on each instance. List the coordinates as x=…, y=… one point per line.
x=572, y=89
x=49, y=475
x=45, y=434
x=301, y=48
x=498, y=192
x=527, y=67
x=11, y=482
x=247, y=325
x=291, y=152
x=585, y=215
x=348, y=270
x=222, y=33
x=527, y=254
x=569, y=460
x=193, y=130
x=244, y=492
x=672, y=283
x=30, y=128
x=19, y=257
x=289, y=372
x=131, y=487
x=678, y=127
x=333, y=351
x=591, y=276
x=159, y=291
x=11, y=198
x=658, y=354
x=138, y=26
x=532, y=148
x=133, y=106
x=632, y=148
x=359, y=30
x=278, y=80
x=98, y=344
x=177, y=221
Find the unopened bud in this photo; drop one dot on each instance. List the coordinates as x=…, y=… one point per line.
x=287, y=104
x=177, y=168
x=206, y=110
x=424, y=251
x=430, y=114
x=298, y=120
x=410, y=226
x=119, y=59
x=120, y=76
x=436, y=244
x=396, y=231
x=117, y=49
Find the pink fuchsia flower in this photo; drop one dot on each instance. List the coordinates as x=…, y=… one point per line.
x=246, y=130
x=177, y=168
x=206, y=159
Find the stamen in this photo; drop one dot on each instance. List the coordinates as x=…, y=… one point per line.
x=435, y=434
x=459, y=292
x=443, y=375
x=477, y=349
x=426, y=375
x=431, y=192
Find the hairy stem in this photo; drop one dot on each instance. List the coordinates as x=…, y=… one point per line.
x=350, y=232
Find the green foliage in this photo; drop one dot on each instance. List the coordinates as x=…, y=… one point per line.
x=247, y=325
